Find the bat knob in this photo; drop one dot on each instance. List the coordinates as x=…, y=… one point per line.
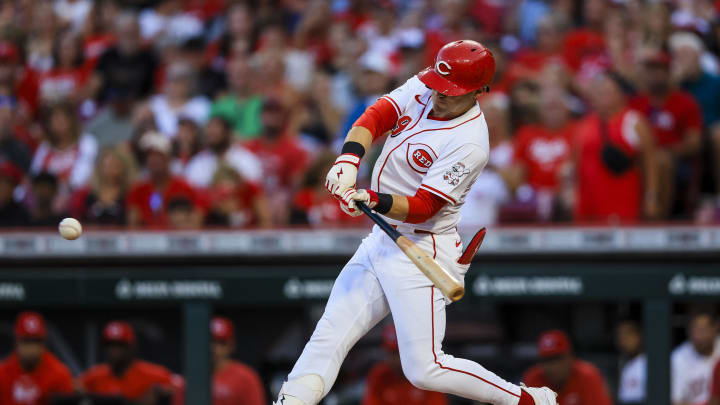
x=457, y=294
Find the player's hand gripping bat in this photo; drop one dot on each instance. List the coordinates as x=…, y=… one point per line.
x=443, y=280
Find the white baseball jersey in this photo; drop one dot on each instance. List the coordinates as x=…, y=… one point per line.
x=632, y=380
x=691, y=373
x=443, y=157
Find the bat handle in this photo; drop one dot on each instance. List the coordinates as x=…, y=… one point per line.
x=387, y=228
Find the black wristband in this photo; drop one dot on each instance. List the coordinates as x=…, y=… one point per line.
x=355, y=148
x=385, y=202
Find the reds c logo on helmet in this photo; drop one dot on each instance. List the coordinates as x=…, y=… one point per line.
x=460, y=67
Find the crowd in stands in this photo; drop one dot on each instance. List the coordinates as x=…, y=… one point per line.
x=227, y=113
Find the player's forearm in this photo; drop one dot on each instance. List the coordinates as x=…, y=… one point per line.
x=360, y=135
x=399, y=209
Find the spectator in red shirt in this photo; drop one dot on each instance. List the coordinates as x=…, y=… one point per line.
x=236, y=202
x=577, y=382
x=541, y=150
x=66, y=80
x=233, y=382
x=676, y=120
x=715, y=386
x=124, y=375
x=615, y=152
x=31, y=375
x=148, y=201
x=386, y=384
x=283, y=159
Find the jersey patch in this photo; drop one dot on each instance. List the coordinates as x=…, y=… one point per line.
x=453, y=175
x=420, y=157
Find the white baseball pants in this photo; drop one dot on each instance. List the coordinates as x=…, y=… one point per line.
x=380, y=279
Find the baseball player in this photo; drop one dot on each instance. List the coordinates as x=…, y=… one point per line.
x=438, y=145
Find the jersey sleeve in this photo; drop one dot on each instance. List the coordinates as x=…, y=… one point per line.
x=451, y=176
x=676, y=377
x=715, y=383
x=596, y=391
x=404, y=95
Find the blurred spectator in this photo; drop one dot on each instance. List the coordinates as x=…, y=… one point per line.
x=372, y=82
x=115, y=123
x=312, y=204
x=221, y=148
x=676, y=120
x=66, y=153
x=125, y=375
x=11, y=212
x=233, y=383
x=12, y=148
x=168, y=24
x=616, y=151
x=209, y=80
x=238, y=203
x=186, y=144
x=31, y=375
x=72, y=12
x=18, y=83
x=633, y=362
x=241, y=107
x=692, y=362
x=386, y=384
x=67, y=78
x=576, y=382
x=41, y=39
x=148, y=201
x=103, y=201
x=585, y=43
x=493, y=186
x=97, y=31
x=176, y=101
x=283, y=158
x=44, y=191
x=542, y=150
x=126, y=65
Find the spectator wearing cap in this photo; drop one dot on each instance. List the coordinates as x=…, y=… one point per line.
x=148, y=200
x=241, y=107
x=125, y=375
x=576, y=382
x=66, y=153
x=222, y=150
x=616, y=152
x=283, y=158
x=127, y=65
x=11, y=212
x=386, y=384
x=676, y=121
x=233, y=383
x=177, y=101
x=31, y=375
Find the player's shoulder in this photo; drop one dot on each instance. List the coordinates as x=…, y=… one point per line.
x=682, y=353
x=54, y=364
x=95, y=372
x=240, y=368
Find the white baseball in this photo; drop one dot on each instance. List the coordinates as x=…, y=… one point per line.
x=70, y=228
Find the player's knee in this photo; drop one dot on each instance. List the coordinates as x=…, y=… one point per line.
x=419, y=371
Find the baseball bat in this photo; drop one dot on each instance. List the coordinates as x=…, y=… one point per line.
x=443, y=280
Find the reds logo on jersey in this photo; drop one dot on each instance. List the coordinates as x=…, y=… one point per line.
x=453, y=175
x=420, y=157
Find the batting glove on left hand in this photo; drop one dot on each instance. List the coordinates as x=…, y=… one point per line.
x=350, y=196
x=343, y=174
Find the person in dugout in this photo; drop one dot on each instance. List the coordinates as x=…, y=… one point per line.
x=576, y=381
x=233, y=382
x=31, y=375
x=387, y=385
x=124, y=375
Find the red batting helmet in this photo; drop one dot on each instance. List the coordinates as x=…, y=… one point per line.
x=460, y=67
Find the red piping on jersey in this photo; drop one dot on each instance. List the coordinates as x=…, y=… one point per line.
x=434, y=255
x=432, y=318
x=440, y=193
x=419, y=132
x=394, y=103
